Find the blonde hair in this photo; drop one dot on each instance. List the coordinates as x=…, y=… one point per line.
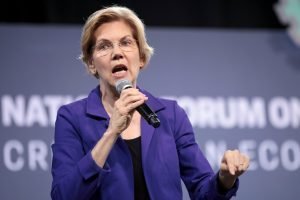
x=110, y=14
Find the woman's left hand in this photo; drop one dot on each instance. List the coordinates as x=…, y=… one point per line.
x=233, y=165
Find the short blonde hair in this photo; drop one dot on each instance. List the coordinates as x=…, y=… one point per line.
x=110, y=14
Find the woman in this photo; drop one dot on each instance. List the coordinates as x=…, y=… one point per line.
x=103, y=149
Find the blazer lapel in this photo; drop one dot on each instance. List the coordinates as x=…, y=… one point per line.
x=147, y=130
x=147, y=133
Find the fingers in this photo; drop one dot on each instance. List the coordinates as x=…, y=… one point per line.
x=234, y=163
x=243, y=162
x=129, y=100
x=122, y=112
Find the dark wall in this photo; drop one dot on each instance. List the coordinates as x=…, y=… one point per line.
x=191, y=13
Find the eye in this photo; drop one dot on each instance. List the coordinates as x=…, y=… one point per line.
x=102, y=46
x=127, y=42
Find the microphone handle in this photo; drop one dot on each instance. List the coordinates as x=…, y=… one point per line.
x=148, y=115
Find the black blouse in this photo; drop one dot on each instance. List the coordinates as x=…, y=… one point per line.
x=140, y=187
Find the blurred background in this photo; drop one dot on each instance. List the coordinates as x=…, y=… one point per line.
x=233, y=65
x=170, y=13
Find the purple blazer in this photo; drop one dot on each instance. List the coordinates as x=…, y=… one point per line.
x=169, y=154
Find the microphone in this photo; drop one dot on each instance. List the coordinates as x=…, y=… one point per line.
x=143, y=109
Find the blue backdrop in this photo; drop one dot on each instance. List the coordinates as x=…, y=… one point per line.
x=240, y=89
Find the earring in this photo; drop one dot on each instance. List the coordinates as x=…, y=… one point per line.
x=93, y=71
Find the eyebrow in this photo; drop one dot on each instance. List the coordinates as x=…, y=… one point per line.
x=107, y=40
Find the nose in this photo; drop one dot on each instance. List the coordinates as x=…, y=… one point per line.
x=117, y=52
x=117, y=56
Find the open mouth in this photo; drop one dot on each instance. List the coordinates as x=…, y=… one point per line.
x=119, y=68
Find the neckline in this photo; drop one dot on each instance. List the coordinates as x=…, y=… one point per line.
x=133, y=139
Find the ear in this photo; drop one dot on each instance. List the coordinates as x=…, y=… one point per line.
x=142, y=63
x=91, y=67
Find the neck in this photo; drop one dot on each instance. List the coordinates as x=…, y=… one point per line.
x=109, y=96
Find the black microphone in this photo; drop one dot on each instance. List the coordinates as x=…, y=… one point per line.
x=143, y=109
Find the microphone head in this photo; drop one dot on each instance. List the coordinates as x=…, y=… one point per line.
x=123, y=84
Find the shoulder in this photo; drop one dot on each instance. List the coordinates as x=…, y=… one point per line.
x=79, y=106
x=164, y=105
x=74, y=108
x=159, y=101
x=172, y=115
x=169, y=103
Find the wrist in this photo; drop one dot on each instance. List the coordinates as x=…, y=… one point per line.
x=110, y=133
x=226, y=182
x=103, y=147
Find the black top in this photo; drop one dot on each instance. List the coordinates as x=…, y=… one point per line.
x=140, y=187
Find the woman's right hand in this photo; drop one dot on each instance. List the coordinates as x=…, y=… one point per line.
x=124, y=108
